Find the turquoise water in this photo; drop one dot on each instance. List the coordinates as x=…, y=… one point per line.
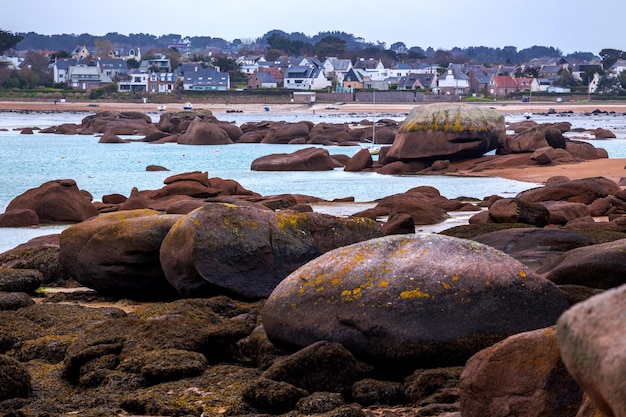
x=30, y=160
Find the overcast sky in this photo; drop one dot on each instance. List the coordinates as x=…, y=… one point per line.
x=573, y=25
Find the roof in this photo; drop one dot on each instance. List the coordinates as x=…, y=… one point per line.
x=265, y=77
x=206, y=77
x=299, y=71
x=65, y=63
x=340, y=64
x=482, y=77
x=112, y=63
x=505, y=81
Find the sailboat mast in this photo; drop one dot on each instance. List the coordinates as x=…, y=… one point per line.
x=374, y=119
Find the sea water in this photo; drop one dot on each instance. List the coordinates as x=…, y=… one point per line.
x=27, y=161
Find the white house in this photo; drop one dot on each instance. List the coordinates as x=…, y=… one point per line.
x=335, y=68
x=138, y=82
x=305, y=78
x=454, y=82
x=374, y=70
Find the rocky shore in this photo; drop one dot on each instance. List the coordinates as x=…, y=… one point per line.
x=203, y=298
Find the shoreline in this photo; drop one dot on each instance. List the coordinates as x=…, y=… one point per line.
x=614, y=169
x=254, y=108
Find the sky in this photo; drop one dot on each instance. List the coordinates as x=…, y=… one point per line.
x=571, y=26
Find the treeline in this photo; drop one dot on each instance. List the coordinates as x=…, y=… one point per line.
x=334, y=43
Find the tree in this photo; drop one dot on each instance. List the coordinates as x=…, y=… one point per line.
x=226, y=64
x=609, y=86
x=35, y=70
x=103, y=46
x=610, y=57
x=566, y=79
x=589, y=73
x=8, y=41
x=330, y=46
x=399, y=47
x=132, y=63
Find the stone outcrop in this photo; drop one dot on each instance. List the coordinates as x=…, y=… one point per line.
x=447, y=131
x=58, y=201
x=309, y=159
x=591, y=338
x=222, y=248
x=284, y=133
x=407, y=301
x=117, y=123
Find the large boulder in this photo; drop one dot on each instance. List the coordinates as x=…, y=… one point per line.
x=309, y=159
x=117, y=123
x=283, y=133
x=118, y=253
x=58, y=201
x=408, y=301
x=584, y=191
x=244, y=251
x=522, y=375
x=592, y=336
x=448, y=131
x=596, y=266
x=200, y=132
x=513, y=210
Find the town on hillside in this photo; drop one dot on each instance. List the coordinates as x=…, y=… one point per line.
x=329, y=67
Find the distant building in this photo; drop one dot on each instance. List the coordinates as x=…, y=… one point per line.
x=196, y=77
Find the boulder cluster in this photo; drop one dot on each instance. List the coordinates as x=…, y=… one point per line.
x=203, y=298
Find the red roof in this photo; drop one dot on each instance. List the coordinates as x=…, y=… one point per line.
x=505, y=81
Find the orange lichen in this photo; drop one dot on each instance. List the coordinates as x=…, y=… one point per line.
x=416, y=293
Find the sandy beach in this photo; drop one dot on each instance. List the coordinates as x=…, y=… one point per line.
x=613, y=169
x=366, y=108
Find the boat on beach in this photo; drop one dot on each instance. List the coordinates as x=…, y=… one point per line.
x=188, y=106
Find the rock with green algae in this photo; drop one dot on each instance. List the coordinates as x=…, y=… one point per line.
x=407, y=301
x=448, y=131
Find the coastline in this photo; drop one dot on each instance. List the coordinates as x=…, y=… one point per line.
x=366, y=108
x=614, y=168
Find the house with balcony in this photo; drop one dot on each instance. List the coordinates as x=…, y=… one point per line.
x=86, y=77
x=336, y=69
x=161, y=64
x=135, y=82
x=305, y=77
